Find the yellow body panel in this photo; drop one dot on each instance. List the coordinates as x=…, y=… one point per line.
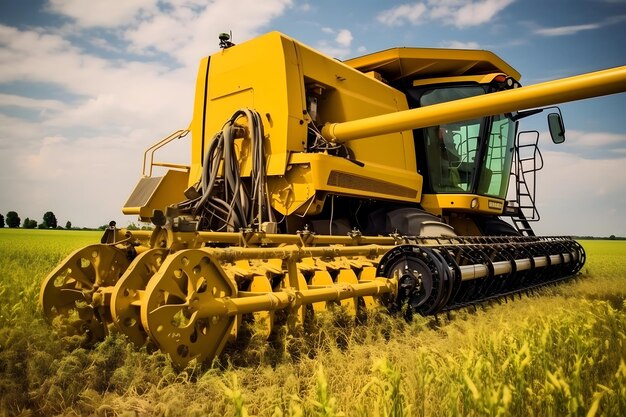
x=274, y=75
x=311, y=172
x=196, y=127
x=262, y=74
x=478, y=79
x=348, y=95
x=156, y=193
x=463, y=203
x=419, y=63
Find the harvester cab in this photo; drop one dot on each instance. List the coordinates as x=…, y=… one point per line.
x=317, y=184
x=468, y=166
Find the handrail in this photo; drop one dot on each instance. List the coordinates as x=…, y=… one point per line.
x=152, y=149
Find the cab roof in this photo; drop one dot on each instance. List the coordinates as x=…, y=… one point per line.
x=419, y=63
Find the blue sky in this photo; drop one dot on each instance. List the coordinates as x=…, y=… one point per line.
x=86, y=86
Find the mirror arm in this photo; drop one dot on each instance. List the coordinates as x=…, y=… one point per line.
x=522, y=114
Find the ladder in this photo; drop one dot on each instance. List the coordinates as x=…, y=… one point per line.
x=527, y=161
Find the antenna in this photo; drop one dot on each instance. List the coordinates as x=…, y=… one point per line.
x=225, y=38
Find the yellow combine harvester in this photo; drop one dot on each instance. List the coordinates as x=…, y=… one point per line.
x=317, y=183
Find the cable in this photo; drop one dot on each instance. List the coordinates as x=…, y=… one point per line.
x=332, y=209
x=320, y=143
x=356, y=214
x=224, y=202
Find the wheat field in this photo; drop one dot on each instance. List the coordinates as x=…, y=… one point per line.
x=560, y=351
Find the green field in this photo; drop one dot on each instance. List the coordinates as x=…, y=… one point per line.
x=561, y=351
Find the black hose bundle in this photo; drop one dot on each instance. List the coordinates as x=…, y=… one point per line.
x=224, y=203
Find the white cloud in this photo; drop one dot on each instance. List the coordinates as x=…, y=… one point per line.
x=333, y=50
x=183, y=29
x=566, y=30
x=591, y=145
x=101, y=13
x=578, y=196
x=11, y=100
x=186, y=32
x=404, y=13
x=15, y=134
x=574, y=29
x=117, y=94
x=111, y=95
x=87, y=179
x=344, y=38
x=459, y=13
x=595, y=139
x=460, y=45
x=105, y=45
x=472, y=13
x=339, y=46
x=20, y=50
x=84, y=179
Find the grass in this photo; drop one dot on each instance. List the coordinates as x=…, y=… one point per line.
x=559, y=352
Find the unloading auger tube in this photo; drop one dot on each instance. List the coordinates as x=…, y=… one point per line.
x=579, y=87
x=190, y=302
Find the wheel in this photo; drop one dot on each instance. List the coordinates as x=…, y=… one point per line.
x=126, y=296
x=72, y=291
x=424, y=279
x=184, y=308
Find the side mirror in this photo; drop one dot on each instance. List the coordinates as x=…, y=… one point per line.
x=557, y=128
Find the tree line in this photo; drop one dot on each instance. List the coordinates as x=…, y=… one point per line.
x=49, y=221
